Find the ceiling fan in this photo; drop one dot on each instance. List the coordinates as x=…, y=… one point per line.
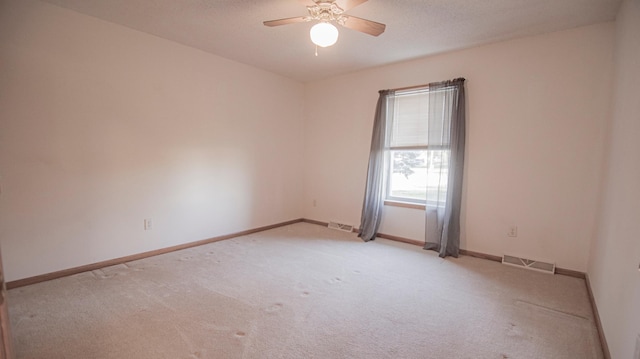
x=325, y=34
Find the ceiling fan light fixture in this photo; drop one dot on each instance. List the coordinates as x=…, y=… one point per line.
x=323, y=34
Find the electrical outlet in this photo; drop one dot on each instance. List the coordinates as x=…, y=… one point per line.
x=148, y=224
x=513, y=231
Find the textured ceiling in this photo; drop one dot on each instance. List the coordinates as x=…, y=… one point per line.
x=415, y=28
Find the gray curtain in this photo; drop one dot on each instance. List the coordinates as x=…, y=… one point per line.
x=375, y=188
x=447, y=124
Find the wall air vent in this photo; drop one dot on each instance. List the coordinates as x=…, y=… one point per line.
x=341, y=227
x=529, y=264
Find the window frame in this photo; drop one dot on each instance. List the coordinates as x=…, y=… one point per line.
x=388, y=149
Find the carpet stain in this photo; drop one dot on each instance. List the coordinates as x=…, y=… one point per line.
x=305, y=294
x=240, y=334
x=514, y=331
x=335, y=280
x=274, y=308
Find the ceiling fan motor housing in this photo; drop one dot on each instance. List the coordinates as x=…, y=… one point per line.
x=326, y=12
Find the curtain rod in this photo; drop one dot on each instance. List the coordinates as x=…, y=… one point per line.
x=421, y=86
x=409, y=87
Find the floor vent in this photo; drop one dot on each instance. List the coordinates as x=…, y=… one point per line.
x=341, y=227
x=529, y=264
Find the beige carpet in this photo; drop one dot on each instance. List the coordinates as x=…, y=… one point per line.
x=304, y=291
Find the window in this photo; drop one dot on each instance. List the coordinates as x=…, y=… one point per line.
x=417, y=159
x=417, y=155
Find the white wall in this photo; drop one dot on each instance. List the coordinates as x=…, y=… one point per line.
x=537, y=110
x=102, y=126
x=614, y=270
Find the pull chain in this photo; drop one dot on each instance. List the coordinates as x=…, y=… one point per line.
x=316, y=50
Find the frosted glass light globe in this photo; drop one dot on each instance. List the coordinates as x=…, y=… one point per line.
x=324, y=34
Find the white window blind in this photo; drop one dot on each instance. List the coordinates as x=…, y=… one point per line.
x=409, y=127
x=414, y=124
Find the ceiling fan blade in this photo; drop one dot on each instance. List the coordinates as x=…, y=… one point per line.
x=349, y=4
x=290, y=20
x=366, y=26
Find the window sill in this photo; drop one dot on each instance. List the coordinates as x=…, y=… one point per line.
x=404, y=204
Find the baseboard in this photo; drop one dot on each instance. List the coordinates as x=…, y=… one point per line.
x=89, y=267
x=380, y=235
x=571, y=273
x=401, y=239
x=320, y=223
x=596, y=315
x=490, y=257
x=464, y=252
